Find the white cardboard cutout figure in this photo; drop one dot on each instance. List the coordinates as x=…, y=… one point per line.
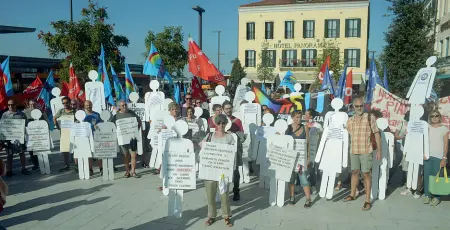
x=95, y=92
x=83, y=143
x=104, y=128
x=239, y=95
x=179, y=154
x=332, y=153
x=56, y=103
x=380, y=168
x=203, y=128
x=277, y=187
x=416, y=145
x=336, y=104
x=139, y=109
x=163, y=135
x=154, y=100
x=260, y=148
x=39, y=140
x=423, y=83
x=219, y=99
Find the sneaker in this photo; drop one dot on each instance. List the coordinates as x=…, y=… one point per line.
x=26, y=172
x=36, y=167
x=406, y=192
x=292, y=200
x=426, y=200
x=65, y=168
x=417, y=195
x=435, y=202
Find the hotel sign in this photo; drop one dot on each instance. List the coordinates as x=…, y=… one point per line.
x=292, y=45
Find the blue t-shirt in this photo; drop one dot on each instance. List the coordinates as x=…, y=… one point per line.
x=93, y=119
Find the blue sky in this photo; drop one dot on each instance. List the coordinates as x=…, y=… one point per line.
x=134, y=20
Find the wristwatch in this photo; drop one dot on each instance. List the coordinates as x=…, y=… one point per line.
x=445, y=158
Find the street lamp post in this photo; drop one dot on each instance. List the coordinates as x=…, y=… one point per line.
x=71, y=11
x=200, y=12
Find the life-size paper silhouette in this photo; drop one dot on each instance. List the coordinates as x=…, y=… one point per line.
x=219, y=99
x=178, y=168
x=39, y=140
x=338, y=103
x=416, y=145
x=139, y=109
x=277, y=181
x=380, y=168
x=108, y=130
x=56, y=103
x=95, y=92
x=83, y=143
x=259, y=148
x=423, y=83
x=333, y=150
x=154, y=101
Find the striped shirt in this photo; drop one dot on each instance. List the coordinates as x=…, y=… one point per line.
x=359, y=131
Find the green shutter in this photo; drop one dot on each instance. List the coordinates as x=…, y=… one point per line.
x=359, y=27
x=338, y=27
x=303, y=54
x=314, y=54
x=285, y=30
x=271, y=30
x=246, y=58
x=295, y=54
x=347, y=27
x=345, y=56
x=304, y=29
x=313, y=29
x=326, y=28
x=274, y=58
x=358, y=57
x=293, y=29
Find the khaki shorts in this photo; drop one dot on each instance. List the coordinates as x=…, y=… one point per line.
x=126, y=149
x=362, y=162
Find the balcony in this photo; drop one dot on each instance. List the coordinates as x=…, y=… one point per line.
x=297, y=64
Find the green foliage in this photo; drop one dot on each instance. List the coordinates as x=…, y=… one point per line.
x=79, y=42
x=264, y=68
x=329, y=48
x=237, y=73
x=169, y=44
x=409, y=43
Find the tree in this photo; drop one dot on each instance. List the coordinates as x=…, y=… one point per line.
x=329, y=48
x=79, y=42
x=169, y=44
x=237, y=73
x=265, y=67
x=409, y=43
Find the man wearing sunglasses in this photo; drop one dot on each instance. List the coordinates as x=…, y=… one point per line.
x=188, y=103
x=360, y=128
x=66, y=111
x=11, y=148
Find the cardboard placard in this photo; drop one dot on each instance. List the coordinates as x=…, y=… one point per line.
x=38, y=136
x=12, y=130
x=217, y=159
x=280, y=161
x=250, y=113
x=300, y=146
x=105, y=145
x=181, y=172
x=66, y=122
x=126, y=129
x=80, y=129
x=392, y=106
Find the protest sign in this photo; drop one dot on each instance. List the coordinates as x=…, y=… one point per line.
x=280, y=162
x=392, y=106
x=180, y=170
x=105, y=145
x=300, y=146
x=444, y=109
x=12, y=130
x=38, y=136
x=66, y=122
x=239, y=96
x=217, y=159
x=139, y=110
x=250, y=113
x=80, y=129
x=126, y=129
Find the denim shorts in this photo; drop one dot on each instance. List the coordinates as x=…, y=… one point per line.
x=301, y=178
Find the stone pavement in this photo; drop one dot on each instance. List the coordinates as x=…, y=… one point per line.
x=62, y=201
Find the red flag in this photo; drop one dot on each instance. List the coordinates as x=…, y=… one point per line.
x=35, y=88
x=323, y=69
x=197, y=91
x=348, y=92
x=64, y=89
x=201, y=66
x=3, y=100
x=74, y=86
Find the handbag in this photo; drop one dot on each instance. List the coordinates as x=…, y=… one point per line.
x=439, y=185
x=373, y=141
x=133, y=144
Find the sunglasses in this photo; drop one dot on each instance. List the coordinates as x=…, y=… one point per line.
x=198, y=102
x=358, y=106
x=188, y=98
x=221, y=123
x=435, y=116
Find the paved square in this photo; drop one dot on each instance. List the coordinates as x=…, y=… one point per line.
x=62, y=201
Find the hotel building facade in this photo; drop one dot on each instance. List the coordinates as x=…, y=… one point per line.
x=292, y=31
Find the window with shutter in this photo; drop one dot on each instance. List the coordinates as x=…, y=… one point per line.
x=289, y=29
x=308, y=29
x=289, y=58
x=352, y=57
x=332, y=28
x=250, y=58
x=352, y=28
x=308, y=57
x=250, y=31
x=269, y=30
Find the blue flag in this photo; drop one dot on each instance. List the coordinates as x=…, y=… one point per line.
x=327, y=82
x=373, y=80
x=129, y=83
x=7, y=78
x=287, y=81
x=154, y=65
x=118, y=89
x=385, y=79
x=176, y=93
x=341, y=84
x=46, y=96
x=103, y=74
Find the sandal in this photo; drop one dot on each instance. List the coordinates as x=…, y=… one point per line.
x=135, y=175
x=308, y=203
x=156, y=172
x=367, y=206
x=209, y=222
x=127, y=175
x=349, y=198
x=228, y=222
x=338, y=186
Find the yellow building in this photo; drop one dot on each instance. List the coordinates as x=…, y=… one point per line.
x=292, y=31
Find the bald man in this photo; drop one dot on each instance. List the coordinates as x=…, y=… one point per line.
x=92, y=118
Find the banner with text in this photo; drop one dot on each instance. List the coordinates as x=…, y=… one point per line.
x=217, y=159
x=392, y=106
